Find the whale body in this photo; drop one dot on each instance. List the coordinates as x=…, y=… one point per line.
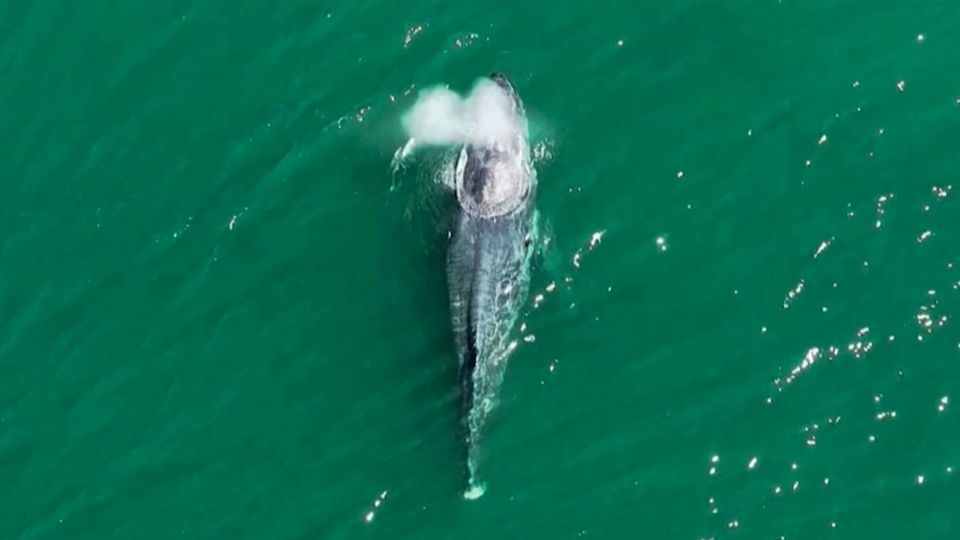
x=488, y=263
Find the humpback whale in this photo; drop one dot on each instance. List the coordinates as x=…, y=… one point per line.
x=488, y=261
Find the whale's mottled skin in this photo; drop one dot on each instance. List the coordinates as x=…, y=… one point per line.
x=488, y=266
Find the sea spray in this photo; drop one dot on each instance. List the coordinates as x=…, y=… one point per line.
x=442, y=117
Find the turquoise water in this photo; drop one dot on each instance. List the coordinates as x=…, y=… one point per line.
x=222, y=315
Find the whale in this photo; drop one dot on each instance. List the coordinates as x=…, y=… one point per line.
x=488, y=263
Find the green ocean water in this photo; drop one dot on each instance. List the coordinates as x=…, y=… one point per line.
x=223, y=315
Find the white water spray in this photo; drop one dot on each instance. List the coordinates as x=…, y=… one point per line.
x=442, y=117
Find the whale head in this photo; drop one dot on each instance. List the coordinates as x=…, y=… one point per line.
x=504, y=83
x=493, y=174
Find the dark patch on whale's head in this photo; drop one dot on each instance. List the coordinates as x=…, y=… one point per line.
x=476, y=172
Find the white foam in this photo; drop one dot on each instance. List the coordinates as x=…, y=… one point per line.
x=474, y=492
x=443, y=117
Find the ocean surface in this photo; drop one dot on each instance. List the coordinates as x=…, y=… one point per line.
x=223, y=313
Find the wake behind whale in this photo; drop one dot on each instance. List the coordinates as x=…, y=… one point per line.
x=491, y=243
